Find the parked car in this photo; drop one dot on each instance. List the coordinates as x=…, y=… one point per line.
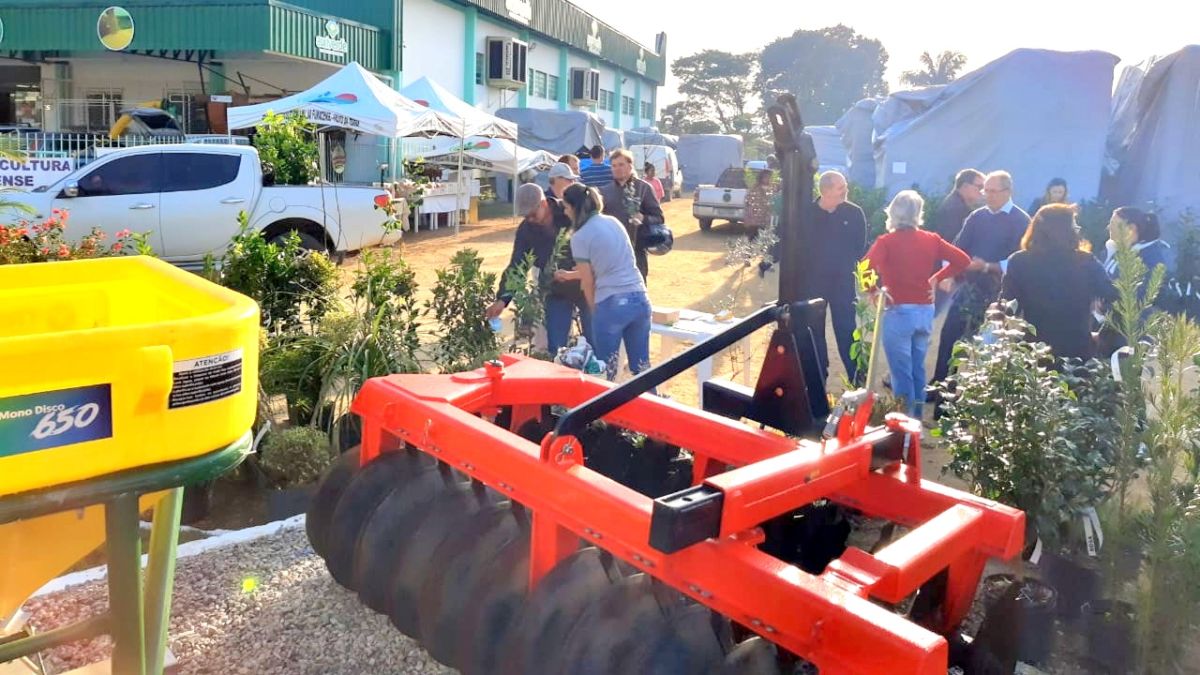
x=727, y=199
x=666, y=167
x=189, y=196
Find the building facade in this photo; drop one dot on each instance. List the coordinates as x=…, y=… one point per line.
x=71, y=65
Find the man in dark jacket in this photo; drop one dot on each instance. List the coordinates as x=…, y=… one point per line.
x=631, y=201
x=948, y=221
x=966, y=197
x=839, y=241
x=543, y=220
x=990, y=235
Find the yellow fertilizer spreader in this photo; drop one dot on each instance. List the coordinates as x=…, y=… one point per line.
x=121, y=381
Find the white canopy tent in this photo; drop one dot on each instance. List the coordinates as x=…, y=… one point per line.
x=354, y=99
x=491, y=154
x=473, y=121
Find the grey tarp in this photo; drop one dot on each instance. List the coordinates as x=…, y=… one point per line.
x=1154, y=141
x=857, y=137
x=703, y=157
x=1037, y=114
x=613, y=139
x=556, y=131
x=831, y=154
x=650, y=136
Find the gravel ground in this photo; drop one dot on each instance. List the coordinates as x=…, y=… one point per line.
x=265, y=606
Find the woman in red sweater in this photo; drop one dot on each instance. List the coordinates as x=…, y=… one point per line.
x=909, y=263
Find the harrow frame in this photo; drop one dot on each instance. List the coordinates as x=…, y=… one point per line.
x=828, y=619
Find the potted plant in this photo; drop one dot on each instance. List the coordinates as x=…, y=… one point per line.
x=292, y=460
x=1038, y=438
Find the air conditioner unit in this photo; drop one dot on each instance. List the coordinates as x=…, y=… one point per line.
x=506, y=67
x=585, y=86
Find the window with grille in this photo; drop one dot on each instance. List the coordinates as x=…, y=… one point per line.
x=647, y=110
x=480, y=67
x=539, y=84
x=552, y=87
x=607, y=100
x=103, y=108
x=626, y=105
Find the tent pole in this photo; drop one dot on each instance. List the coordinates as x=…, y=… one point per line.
x=462, y=145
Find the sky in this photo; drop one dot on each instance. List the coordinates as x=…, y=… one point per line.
x=981, y=31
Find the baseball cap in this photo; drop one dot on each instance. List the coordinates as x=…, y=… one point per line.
x=562, y=170
x=529, y=197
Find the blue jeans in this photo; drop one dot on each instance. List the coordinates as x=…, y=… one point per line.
x=623, y=317
x=906, y=331
x=560, y=313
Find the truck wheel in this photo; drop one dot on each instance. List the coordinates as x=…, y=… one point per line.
x=705, y=224
x=307, y=241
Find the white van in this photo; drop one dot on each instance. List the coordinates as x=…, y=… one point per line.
x=666, y=166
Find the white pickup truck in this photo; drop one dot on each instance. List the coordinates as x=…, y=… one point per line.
x=188, y=197
x=726, y=200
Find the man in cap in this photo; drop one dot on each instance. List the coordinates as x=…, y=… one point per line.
x=543, y=218
x=561, y=178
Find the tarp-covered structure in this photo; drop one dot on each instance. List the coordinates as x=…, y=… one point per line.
x=650, y=136
x=614, y=139
x=831, y=154
x=1154, y=140
x=354, y=99
x=702, y=157
x=858, y=134
x=555, y=131
x=1037, y=114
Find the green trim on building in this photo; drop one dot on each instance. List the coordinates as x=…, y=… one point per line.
x=227, y=26
x=618, y=103
x=564, y=78
x=566, y=23
x=637, y=102
x=217, y=82
x=470, y=22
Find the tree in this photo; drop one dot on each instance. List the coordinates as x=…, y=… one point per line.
x=686, y=117
x=828, y=71
x=721, y=84
x=941, y=70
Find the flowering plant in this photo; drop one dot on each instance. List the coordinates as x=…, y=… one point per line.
x=27, y=242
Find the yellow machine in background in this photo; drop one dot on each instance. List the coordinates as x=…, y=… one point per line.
x=124, y=379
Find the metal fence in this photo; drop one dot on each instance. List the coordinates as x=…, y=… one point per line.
x=84, y=147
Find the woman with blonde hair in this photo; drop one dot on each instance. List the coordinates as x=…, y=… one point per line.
x=1055, y=280
x=906, y=259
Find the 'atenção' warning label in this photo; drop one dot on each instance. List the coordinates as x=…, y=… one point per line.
x=205, y=379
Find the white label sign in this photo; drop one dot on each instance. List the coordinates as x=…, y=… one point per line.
x=594, y=45
x=899, y=168
x=34, y=172
x=332, y=43
x=521, y=10
x=221, y=98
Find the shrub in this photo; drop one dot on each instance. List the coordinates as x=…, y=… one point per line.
x=528, y=302
x=292, y=286
x=1023, y=433
x=873, y=202
x=295, y=456
x=28, y=242
x=286, y=144
x=462, y=293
